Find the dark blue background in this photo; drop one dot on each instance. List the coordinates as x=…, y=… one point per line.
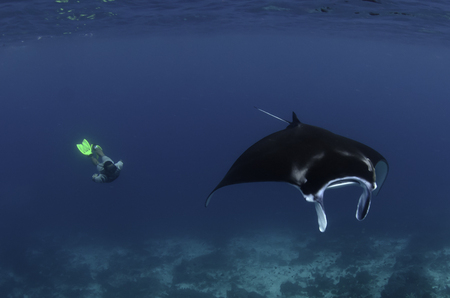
x=179, y=110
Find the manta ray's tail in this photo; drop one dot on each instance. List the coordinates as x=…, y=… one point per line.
x=276, y=117
x=294, y=122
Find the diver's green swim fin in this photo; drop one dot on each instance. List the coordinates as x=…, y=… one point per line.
x=85, y=147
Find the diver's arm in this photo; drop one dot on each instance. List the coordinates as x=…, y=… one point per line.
x=119, y=165
x=99, y=178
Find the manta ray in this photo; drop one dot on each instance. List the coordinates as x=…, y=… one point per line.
x=313, y=160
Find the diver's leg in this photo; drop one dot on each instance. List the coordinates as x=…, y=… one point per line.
x=99, y=151
x=94, y=160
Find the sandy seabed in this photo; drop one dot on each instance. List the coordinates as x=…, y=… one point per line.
x=254, y=264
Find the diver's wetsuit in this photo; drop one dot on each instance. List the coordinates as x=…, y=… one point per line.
x=104, y=177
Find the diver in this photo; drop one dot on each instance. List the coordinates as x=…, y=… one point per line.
x=108, y=171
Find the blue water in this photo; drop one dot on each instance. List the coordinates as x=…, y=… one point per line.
x=169, y=89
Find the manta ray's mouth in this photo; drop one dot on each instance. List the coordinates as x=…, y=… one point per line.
x=363, y=204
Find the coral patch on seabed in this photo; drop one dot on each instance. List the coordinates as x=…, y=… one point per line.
x=258, y=264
